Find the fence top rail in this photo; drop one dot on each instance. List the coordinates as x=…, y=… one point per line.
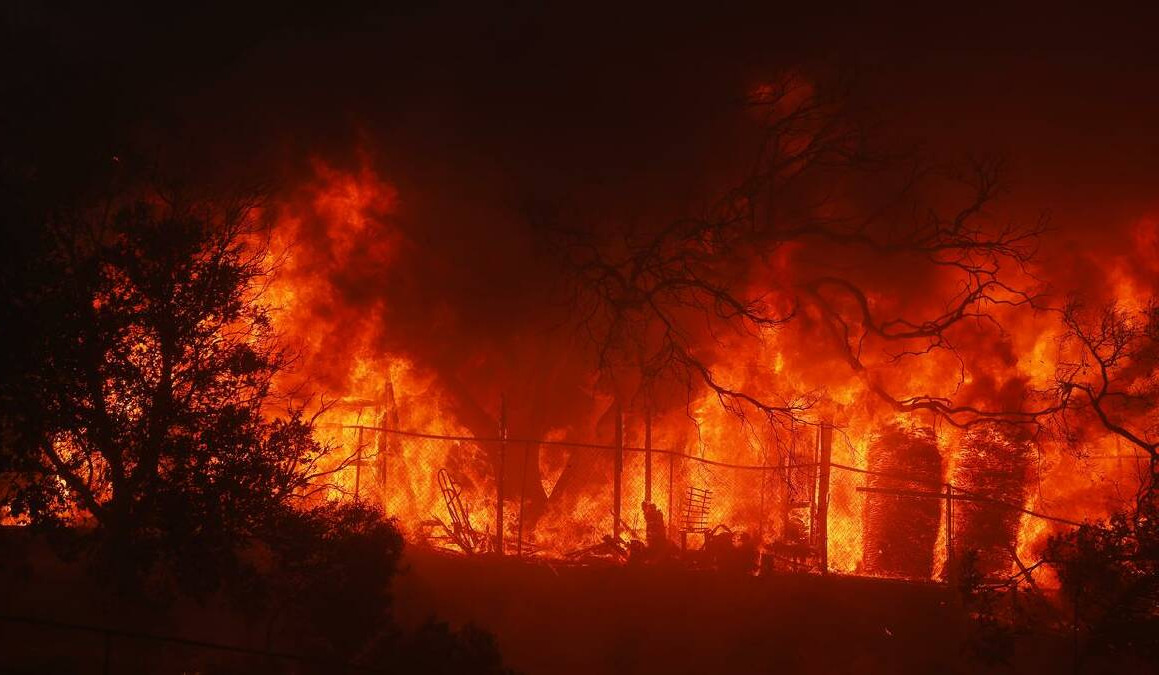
x=952, y=489
x=958, y=493
x=567, y=444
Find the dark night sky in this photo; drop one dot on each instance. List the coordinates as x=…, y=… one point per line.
x=595, y=94
x=633, y=113
x=471, y=111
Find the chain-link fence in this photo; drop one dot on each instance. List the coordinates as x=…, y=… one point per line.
x=815, y=505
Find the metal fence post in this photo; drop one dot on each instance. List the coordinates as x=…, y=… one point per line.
x=671, y=473
x=648, y=455
x=617, y=473
x=950, y=571
x=358, y=465
x=522, y=496
x=764, y=484
x=499, y=477
x=824, y=456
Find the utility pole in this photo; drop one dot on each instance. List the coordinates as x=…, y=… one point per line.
x=522, y=496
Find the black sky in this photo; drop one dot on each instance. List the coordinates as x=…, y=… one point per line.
x=579, y=93
x=472, y=111
x=633, y=113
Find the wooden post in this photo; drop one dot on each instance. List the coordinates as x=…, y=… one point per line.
x=821, y=526
x=522, y=496
x=499, y=477
x=648, y=455
x=617, y=473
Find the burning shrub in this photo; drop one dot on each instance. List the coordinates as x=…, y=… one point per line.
x=994, y=464
x=900, y=530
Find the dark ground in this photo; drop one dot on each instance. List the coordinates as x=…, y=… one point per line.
x=546, y=620
x=646, y=620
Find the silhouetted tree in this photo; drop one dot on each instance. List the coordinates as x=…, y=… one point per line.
x=1110, y=575
x=651, y=296
x=138, y=414
x=135, y=396
x=1109, y=379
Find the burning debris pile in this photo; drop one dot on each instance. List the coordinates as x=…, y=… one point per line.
x=900, y=531
x=994, y=470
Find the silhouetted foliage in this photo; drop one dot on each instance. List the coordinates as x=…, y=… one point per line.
x=1109, y=378
x=991, y=636
x=438, y=649
x=1110, y=576
x=138, y=425
x=134, y=400
x=326, y=578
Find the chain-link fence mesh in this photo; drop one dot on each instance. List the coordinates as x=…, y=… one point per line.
x=846, y=523
x=567, y=498
x=802, y=509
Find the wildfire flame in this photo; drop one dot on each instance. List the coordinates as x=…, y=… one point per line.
x=338, y=234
